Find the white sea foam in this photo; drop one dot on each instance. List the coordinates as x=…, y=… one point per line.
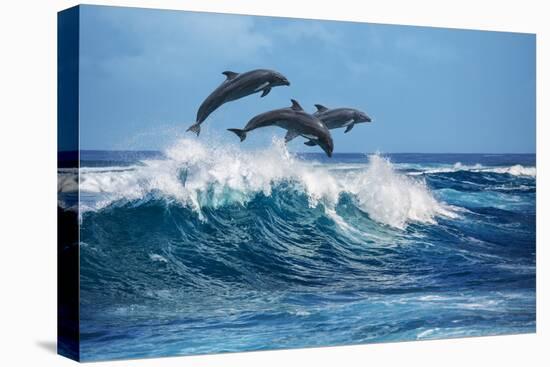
x=515, y=170
x=196, y=175
x=67, y=182
x=393, y=198
x=158, y=258
x=426, y=333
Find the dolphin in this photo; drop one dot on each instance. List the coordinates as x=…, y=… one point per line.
x=297, y=122
x=237, y=86
x=340, y=117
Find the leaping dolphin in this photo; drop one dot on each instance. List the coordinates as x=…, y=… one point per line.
x=340, y=117
x=236, y=86
x=297, y=122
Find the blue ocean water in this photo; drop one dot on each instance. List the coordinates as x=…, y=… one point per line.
x=205, y=249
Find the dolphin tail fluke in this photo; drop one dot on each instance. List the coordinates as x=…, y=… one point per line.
x=195, y=128
x=240, y=133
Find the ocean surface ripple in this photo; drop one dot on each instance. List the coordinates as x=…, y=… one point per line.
x=206, y=249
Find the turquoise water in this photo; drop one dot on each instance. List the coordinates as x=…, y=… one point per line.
x=203, y=250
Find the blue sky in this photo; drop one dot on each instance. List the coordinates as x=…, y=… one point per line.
x=144, y=73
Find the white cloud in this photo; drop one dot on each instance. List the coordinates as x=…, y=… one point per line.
x=186, y=40
x=299, y=29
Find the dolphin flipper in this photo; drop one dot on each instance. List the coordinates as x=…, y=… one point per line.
x=310, y=143
x=348, y=129
x=266, y=92
x=291, y=134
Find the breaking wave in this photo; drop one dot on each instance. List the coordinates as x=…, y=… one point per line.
x=515, y=170
x=198, y=176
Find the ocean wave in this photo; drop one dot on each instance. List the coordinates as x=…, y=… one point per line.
x=515, y=170
x=198, y=175
x=67, y=182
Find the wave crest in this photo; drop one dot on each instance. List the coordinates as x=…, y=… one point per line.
x=515, y=170
x=198, y=175
x=393, y=198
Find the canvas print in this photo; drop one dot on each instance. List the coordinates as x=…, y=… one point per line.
x=234, y=183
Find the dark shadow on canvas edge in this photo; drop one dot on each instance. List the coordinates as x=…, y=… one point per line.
x=48, y=345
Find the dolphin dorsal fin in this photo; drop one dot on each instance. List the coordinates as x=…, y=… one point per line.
x=230, y=74
x=321, y=108
x=296, y=106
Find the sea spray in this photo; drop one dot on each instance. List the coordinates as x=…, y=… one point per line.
x=198, y=175
x=392, y=198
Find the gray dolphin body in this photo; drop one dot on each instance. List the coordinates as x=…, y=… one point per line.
x=237, y=86
x=340, y=117
x=297, y=122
